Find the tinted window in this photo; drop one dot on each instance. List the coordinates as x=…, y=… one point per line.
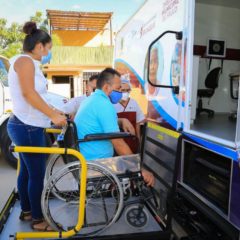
x=208, y=173
x=3, y=73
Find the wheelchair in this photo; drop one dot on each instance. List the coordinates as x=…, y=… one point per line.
x=112, y=190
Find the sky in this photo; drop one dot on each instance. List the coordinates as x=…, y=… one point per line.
x=21, y=10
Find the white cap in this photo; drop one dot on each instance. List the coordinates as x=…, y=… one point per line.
x=124, y=80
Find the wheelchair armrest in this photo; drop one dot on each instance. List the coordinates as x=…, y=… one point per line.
x=53, y=130
x=105, y=136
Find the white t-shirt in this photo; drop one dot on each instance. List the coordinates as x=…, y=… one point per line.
x=72, y=106
x=132, y=106
x=24, y=111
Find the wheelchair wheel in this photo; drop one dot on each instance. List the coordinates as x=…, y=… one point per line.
x=60, y=199
x=55, y=163
x=136, y=216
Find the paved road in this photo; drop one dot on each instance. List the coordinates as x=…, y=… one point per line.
x=8, y=180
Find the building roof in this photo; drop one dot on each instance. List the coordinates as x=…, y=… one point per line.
x=71, y=20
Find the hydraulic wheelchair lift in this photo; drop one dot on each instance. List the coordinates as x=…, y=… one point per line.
x=162, y=162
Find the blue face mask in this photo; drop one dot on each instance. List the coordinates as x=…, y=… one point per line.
x=47, y=58
x=115, y=96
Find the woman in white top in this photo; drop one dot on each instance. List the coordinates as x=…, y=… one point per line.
x=31, y=114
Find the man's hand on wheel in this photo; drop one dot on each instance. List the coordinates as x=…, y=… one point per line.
x=148, y=178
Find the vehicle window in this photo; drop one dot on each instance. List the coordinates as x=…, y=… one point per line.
x=3, y=73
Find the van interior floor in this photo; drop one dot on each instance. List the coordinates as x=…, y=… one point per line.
x=218, y=126
x=120, y=228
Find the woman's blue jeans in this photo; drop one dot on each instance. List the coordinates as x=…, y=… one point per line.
x=32, y=166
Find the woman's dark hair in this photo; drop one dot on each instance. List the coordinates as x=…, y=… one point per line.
x=34, y=36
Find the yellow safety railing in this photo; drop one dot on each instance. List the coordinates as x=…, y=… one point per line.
x=47, y=130
x=82, y=194
x=53, y=130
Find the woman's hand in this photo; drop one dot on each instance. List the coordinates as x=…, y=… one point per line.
x=58, y=118
x=72, y=116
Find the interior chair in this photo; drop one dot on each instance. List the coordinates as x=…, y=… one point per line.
x=211, y=83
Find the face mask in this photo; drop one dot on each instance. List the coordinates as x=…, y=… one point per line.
x=125, y=96
x=47, y=58
x=115, y=96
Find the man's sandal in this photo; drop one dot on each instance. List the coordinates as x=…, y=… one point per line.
x=25, y=216
x=47, y=228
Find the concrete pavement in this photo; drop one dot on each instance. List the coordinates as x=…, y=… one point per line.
x=8, y=180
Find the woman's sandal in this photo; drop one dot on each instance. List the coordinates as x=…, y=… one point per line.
x=47, y=228
x=25, y=216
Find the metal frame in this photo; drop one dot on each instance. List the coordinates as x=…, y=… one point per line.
x=82, y=195
x=179, y=36
x=164, y=233
x=172, y=191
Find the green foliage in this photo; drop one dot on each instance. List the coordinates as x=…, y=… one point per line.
x=37, y=18
x=3, y=32
x=12, y=49
x=10, y=34
x=11, y=38
x=42, y=22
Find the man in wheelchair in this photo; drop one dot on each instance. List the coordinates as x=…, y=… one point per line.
x=111, y=190
x=115, y=188
x=98, y=115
